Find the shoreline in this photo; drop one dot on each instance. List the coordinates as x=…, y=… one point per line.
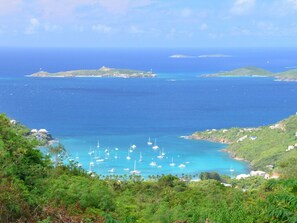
x=224, y=150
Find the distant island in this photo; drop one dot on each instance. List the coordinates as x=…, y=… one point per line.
x=290, y=75
x=181, y=56
x=102, y=72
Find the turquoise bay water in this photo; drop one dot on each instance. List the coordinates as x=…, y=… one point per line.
x=195, y=155
x=123, y=112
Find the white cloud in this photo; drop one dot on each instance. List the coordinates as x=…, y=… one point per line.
x=203, y=27
x=51, y=28
x=293, y=3
x=123, y=6
x=135, y=30
x=242, y=7
x=240, y=31
x=61, y=8
x=9, y=6
x=34, y=24
x=101, y=28
x=186, y=12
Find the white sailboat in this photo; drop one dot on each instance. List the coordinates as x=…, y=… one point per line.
x=99, y=160
x=172, y=163
x=153, y=164
x=133, y=146
x=90, y=168
x=91, y=152
x=112, y=170
x=140, y=157
x=160, y=156
x=163, y=153
x=135, y=172
x=116, y=155
x=181, y=166
x=128, y=157
x=149, y=143
x=98, y=145
x=155, y=147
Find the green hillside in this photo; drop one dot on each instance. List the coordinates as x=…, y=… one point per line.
x=241, y=72
x=290, y=75
x=263, y=147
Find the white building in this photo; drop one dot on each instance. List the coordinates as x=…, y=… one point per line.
x=34, y=131
x=42, y=131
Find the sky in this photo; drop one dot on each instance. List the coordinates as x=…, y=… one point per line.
x=148, y=23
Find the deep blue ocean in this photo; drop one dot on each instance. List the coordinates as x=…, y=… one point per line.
x=122, y=112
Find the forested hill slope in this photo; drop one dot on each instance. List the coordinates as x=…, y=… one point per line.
x=270, y=148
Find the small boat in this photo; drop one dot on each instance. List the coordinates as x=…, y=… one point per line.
x=159, y=167
x=149, y=142
x=112, y=170
x=126, y=169
x=79, y=165
x=91, y=152
x=98, y=145
x=135, y=172
x=140, y=158
x=116, y=149
x=133, y=146
x=172, y=163
x=128, y=157
x=153, y=163
x=163, y=153
x=71, y=160
x=161, y=156
x=116, y=155
x=90, y=168
x=181, y=166
x=99, y=160
x=155, y=147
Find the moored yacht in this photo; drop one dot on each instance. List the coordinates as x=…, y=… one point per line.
x=155, y=147
x=135, y=172
x=172, y=163
x=149, y=143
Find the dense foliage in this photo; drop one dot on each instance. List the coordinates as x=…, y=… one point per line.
x=35, y=189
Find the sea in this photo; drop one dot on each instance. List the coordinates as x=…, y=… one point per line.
x=102, y=122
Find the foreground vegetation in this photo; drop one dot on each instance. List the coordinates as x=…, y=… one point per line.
x=35, y=189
